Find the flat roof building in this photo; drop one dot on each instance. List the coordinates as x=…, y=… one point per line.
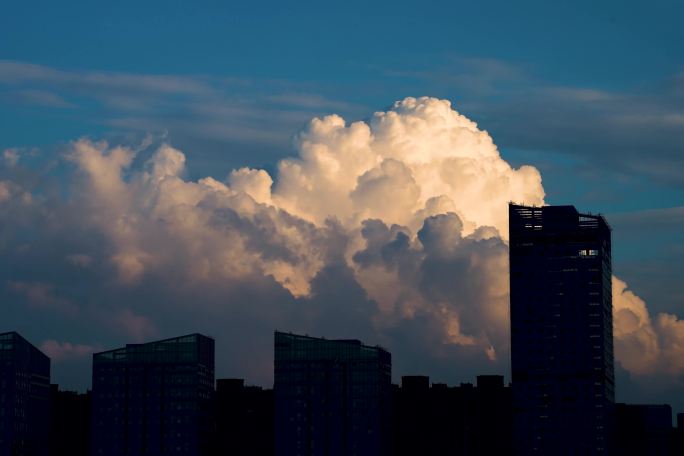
x=154, y=398
x=332, y=397
x=24, y=397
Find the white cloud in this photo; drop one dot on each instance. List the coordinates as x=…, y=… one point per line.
x=636, y=342
x=424, y=141
x=415, y=161
x=644, y=346
x=254, y=182
x=409, y=209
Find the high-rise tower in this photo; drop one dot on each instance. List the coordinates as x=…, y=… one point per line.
x=561, y=330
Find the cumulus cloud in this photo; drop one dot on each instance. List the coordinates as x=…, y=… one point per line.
x=643, y=346
x=403, y=159
x=253, y=182
x=456, y=285
x=407, y=164
x=636, y=341
x=395, y=228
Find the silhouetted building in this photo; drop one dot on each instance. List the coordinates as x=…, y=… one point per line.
x=244, y=419
x=442, y=420
x=24, y=397
x=332, y=397
x=154, y=398
x=679, y=435
x=70, y=422
x=643, y=430
x=561, y=330
x=493, y=416
x=413, y=415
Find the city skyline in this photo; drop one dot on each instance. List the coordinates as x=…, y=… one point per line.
x=329, y=396
x=340, y=170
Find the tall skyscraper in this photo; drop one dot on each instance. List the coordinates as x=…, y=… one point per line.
x=561, y=331
x=24, y=397
x=332, y=397
x=154, y=398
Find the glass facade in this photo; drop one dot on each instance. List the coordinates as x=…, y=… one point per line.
x=154, y=398
x=332, y=397
x=561, y=330
x=24, y=397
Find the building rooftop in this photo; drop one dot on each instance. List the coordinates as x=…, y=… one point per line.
x=174, y=349
x=321, y=347
x=12, y=340
x=555, y=218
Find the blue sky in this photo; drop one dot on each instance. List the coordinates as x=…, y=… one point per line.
x=581, y=62
x=590, y=93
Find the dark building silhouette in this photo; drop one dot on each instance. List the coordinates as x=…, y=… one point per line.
x=493, y=416
x=244, y=419
x=413, y=415
x=442, y=420
x=561, y=330
x=332, y=397
x=678, y=444
x=70, y=422
x=24, y=397
x=644, y=430
x=154, y=398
